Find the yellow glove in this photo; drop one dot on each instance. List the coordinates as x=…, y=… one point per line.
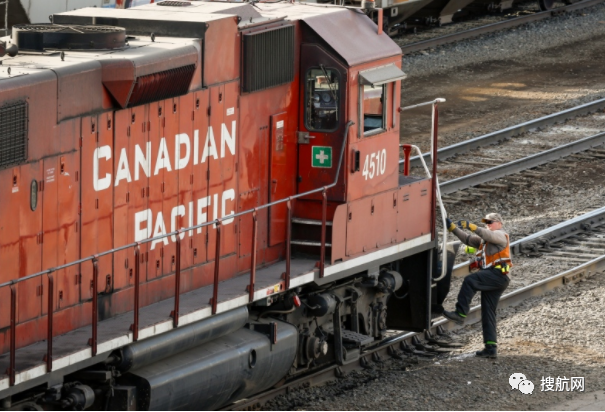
x=470, y=250
x=467, y=225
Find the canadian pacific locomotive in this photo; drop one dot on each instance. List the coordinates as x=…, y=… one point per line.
x=199, y=200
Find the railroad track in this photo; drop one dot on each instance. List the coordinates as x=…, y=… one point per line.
x=432, y=342
x=490, y=28
x=485, y=178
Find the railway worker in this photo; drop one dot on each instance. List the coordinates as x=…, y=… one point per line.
x=493, y=258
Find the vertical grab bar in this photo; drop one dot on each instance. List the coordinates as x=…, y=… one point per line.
x=13, y=336
x=49, y=330
x=95, y=274
x=253, y=258
x=137, y=275
x=216, y=267
x=288, y=245
x=324, y=212
x=177, y=282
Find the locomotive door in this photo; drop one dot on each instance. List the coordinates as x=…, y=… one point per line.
x=323, y=116
x=220, y=148
x=96, y=166
x=20, y=240
x=131, y=170
x=280, y=178
x=198, y=211
x=60, y=225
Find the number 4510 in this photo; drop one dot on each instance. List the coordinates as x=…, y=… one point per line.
x=375, y=164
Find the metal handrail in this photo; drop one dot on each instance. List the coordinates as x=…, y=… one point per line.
x=188, y=229
x=434, y=183
x=93, y=341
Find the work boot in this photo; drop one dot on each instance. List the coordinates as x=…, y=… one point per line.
x=490, y=351
x=455, y=316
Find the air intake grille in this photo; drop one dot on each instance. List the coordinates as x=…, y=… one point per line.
x=161, y=85
x=174, y=3
x=13, y=134
x=268, y=58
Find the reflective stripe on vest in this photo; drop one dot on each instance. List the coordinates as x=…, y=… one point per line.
x=502, y=256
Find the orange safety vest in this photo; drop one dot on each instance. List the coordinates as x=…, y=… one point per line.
x=500, y=260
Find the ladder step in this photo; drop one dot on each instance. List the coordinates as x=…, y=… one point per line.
x=302, y=221
x=349, y=336
x=308, y=243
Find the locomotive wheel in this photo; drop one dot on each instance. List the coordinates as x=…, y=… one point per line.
x=546, y=4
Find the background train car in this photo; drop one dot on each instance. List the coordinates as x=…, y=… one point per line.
x=199, y=200
x=394, y=14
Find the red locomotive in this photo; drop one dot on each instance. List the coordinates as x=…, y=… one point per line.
x=200, y=199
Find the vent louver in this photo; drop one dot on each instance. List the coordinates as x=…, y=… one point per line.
x=268, y=58
x=172, y=3
x=161, y=85
x=13, y=134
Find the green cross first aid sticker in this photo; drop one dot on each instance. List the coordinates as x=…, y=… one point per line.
x=321, y=156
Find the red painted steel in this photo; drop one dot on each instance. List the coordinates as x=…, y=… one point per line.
x=281, y=182
x=407, y=150
x=253, y=263
x=49, y=327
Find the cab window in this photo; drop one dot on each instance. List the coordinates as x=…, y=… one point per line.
x=373, y=108
x=322, y=95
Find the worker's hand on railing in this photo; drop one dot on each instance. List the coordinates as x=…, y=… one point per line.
x=450, y=225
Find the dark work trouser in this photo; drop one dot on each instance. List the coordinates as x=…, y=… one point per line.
x=491, y=283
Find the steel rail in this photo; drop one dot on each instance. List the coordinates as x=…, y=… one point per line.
x=573, y=227
x=388, y=347
x=518, y=165
x=504, y=134
x=490, y=28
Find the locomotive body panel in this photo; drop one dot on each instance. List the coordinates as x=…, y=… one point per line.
x=187, y=126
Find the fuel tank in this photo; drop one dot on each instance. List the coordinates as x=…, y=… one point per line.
x=218, y=372
x=162, y=346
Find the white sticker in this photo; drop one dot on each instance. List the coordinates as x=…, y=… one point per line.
x=15, y=189
x=230, y=111
x=50, y=174
x=279, y=125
